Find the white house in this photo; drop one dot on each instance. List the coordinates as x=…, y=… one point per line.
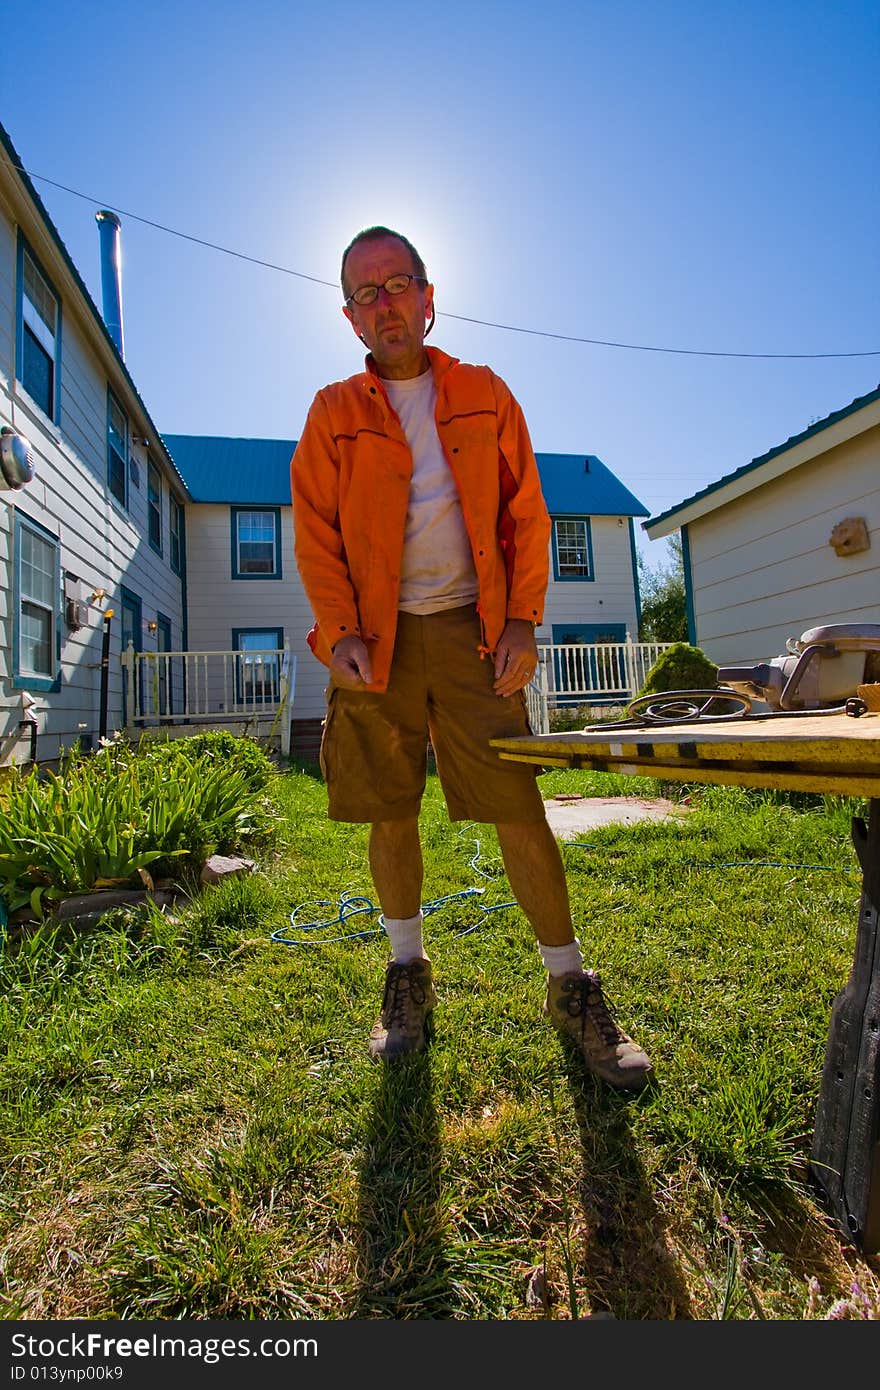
x=113, y=537
x=243, y=589
x=788, y=542
x=92, y=545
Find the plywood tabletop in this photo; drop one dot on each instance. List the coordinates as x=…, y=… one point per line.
x=807, y=752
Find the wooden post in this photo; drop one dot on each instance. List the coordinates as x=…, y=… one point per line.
x=105, y=672
x=629, y=667
x=131, y=684
x=288, y=667
x=845, y=1158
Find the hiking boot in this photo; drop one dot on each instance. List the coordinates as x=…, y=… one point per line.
x=576, y=1007
x=407, y=1004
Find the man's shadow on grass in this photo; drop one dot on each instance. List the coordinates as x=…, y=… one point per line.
x=402, y=1270
x=624, y=1262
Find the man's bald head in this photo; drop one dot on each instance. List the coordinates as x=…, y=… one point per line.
x=376, y=234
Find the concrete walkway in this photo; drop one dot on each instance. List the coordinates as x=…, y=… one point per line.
x=570, y=815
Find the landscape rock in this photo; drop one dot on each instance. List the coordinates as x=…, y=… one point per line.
x=221, y=866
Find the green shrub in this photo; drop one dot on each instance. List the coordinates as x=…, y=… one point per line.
x=216, y=746
x=102, y=819
x=564, y=718
x=680, y=667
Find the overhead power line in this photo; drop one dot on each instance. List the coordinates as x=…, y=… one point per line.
x=441, y=313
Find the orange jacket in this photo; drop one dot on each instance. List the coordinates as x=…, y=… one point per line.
x=350, y=479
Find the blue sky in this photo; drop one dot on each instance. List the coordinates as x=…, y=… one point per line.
x=688, y=175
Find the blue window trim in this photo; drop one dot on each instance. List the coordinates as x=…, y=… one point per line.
x=180, y=568
x=135, y=606
x=111, y=396
x=238, y=633
x=635, y=572
x=163, y=624
x=587, y=633
x=688, y=586
x=153, y=468
x=573, y=578
x=21, y=680
x=22, y=245
x=235, y=513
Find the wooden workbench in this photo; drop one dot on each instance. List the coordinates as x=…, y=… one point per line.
x=797, y=752
x=810, y=753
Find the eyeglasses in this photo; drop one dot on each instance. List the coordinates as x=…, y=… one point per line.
x=395, y=284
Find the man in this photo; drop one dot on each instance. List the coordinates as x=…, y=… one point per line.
x=421, y=538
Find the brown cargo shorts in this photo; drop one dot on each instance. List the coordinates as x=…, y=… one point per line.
x=374, y=746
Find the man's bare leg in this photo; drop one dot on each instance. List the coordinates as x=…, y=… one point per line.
x=574, y=1001
x=535, y=871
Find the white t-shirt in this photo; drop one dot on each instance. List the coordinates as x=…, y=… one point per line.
x=437, y=569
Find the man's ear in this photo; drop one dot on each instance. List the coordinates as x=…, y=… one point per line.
x=350, y=316
x=430, y=313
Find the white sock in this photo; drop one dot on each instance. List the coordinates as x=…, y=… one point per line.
x=562, y=960
x=405, y=935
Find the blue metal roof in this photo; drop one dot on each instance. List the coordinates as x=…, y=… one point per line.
x=790, y=443
x=581, y=484
x=247, y=472
x=237, y=471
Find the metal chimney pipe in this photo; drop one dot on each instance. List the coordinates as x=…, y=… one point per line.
x=111, y=275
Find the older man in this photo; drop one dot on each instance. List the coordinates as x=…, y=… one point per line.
x=421, y=538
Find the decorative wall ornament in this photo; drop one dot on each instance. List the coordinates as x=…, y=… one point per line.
x=850, y=536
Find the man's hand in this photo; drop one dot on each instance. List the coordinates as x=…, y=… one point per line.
x=516, y=657
x=350, y=667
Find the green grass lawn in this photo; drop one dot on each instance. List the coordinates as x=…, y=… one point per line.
x=191, y=1126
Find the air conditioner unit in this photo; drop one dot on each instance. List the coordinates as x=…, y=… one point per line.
x=74, y=614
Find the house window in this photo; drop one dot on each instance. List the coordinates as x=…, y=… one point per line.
x=175, y=534
x=37, y=590
x=117, y=449
x=572, y=548
x=258, y=671
x=256, y=543
x=154, y=506
x=39, y=335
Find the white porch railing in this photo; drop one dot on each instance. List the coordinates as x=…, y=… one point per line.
x=536, y=701
x=584, y=673
x=168, y=688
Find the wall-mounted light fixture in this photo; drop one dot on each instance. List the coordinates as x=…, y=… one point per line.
x=152, y=626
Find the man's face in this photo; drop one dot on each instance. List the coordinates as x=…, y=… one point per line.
x=393, y=326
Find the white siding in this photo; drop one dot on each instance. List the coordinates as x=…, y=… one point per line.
x=217, y=603
x=763, y=569
x=101, y=544
x=610, y=596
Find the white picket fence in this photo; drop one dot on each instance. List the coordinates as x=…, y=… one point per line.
x=588, y=673
x=253, y=689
